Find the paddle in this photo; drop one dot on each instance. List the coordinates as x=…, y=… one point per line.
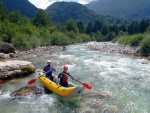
x=32, y=81
x=84, y=84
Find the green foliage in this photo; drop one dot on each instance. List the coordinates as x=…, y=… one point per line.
x=14, y=17
x=45, y=36
x=85, y=37
x=122, y=8
x=41, y=18
x=136, y=39
x=62, y=11
x=74, y=37
x=71, y=26
x=24, y=6
x=111, y=36
x=2, y=12
x=60, y=39
x=145, y=46
x=25, y=42
x=89, y=28
x=22, y=42
x=105, y=29
x=28, y=29
x=81, y=27
x=8, y=30
x=25, y=33
x=133, y=40
x=97, y=36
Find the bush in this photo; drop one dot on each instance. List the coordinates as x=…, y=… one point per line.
x=45, y=36
x=123, y=39
x=60, y=39
x=20, y=41
x=145, y=46
x=8, y=31
x=136, y=39
x=133, y=40
x=74, y=37
x=85, y=37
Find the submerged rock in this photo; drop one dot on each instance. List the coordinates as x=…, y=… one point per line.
x=15, y=68
x=27, y=90
x=95, y=103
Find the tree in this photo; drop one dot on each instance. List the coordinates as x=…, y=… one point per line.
x=80, y=27
x=97, y=26
x=41, y=18
x=8, y=31
x=71, y=26
x=115, y=29
x=145, y=46
x=14, y=16
x=105, y=29
x=133, y=28
x=89, y=28
x=2, y=11
x=143, y=26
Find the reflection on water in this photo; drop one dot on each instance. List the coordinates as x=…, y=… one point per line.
x=120, y=84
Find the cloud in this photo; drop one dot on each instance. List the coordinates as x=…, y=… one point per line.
x=43, y=4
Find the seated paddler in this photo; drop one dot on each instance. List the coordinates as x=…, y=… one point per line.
x=48, y=70
x=63, y=76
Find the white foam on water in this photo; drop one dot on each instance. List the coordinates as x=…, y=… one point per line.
x=5, y=95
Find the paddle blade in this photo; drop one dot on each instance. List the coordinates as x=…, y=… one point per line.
x=32, y=81
x=87, y=86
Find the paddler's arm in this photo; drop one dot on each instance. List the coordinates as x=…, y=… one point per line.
x=59, y=75
x=53, y=69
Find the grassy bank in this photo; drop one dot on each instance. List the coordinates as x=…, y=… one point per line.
x=141, y=40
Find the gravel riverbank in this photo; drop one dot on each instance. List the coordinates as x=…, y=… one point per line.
x=115, y=48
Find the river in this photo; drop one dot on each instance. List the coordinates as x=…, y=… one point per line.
x=124, y=78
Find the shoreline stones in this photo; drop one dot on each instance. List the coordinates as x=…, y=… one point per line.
x=113, y=48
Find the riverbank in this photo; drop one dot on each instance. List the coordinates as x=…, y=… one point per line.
x=116, y=48
x=37, y=52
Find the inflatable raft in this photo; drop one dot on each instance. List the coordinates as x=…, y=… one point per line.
x=71, y=91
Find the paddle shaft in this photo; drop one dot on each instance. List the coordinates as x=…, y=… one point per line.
x=77, y=81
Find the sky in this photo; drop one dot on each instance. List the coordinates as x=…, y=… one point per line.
x=43, y=4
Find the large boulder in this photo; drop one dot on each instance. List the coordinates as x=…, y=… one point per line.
x=6, y=48
x=15, y=68
x=28, y=90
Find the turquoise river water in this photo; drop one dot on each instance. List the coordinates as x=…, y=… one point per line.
x=124, y=78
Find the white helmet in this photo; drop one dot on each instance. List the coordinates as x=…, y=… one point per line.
x=48, y=61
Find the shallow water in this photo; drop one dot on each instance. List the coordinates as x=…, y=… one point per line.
x=125, y=78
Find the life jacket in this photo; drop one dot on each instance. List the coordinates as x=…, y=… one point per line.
x=65, y=78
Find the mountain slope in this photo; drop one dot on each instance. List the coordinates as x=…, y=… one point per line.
x=60, y=12
x=133, y=9
x=24, y=6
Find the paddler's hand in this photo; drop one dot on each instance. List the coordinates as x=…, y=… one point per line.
x=53, y=69
x=73, y=78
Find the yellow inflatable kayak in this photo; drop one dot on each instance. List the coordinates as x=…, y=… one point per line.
x=71, y=91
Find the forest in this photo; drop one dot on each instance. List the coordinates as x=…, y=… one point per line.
x=26, y=33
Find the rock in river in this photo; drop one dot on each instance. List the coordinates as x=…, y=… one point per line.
x=27, y=90
x=15, y=68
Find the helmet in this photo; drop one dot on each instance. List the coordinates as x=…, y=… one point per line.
x=48, y=61
x=65, y=68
